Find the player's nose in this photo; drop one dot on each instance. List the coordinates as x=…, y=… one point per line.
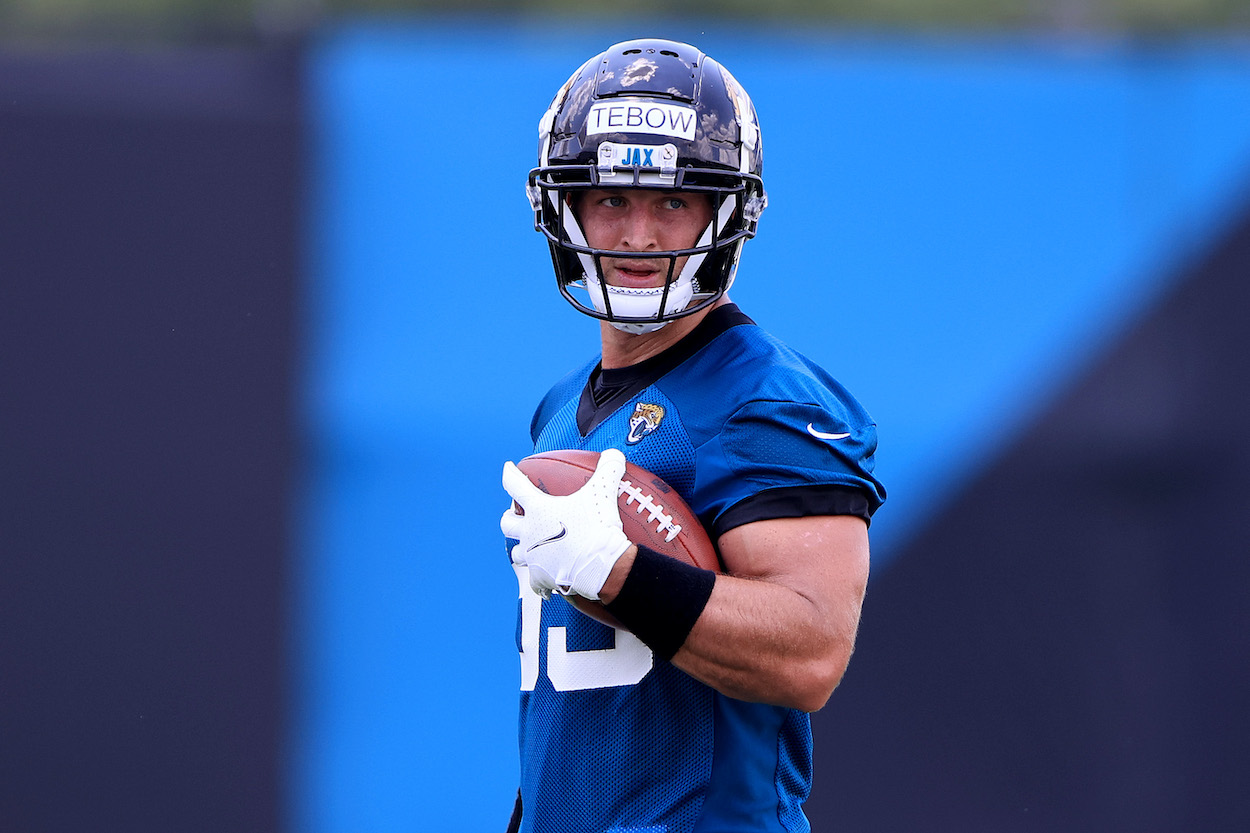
x=639, y=231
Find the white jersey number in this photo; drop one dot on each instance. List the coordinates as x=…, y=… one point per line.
x=625, y=664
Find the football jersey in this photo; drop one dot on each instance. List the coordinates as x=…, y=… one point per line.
x=612, y=738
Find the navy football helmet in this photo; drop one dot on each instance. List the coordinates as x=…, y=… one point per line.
x=651, y=114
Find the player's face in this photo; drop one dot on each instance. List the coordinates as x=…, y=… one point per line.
x=634, y=220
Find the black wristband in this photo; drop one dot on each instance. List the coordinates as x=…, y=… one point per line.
x=661, y=600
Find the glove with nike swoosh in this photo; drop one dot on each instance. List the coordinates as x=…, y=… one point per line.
x=569, y=543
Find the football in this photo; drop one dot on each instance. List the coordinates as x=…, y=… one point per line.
x=652, y=513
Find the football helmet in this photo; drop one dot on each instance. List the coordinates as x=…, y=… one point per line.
x=653, y=114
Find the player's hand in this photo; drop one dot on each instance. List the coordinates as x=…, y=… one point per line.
x=569, y=543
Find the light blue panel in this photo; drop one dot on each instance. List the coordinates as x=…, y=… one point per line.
x=955, y=228
x=431, y=295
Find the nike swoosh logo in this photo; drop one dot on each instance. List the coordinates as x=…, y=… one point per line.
x=821, y=435
x=563, y=531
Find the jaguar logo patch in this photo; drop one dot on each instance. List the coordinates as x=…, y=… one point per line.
x=645, y=419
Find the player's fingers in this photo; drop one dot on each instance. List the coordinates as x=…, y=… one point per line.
x=516, y=484
x=510, y=524
x=610, y=468
x=541, y=582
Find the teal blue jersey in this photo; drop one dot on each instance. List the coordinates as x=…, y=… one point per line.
x=612, y=738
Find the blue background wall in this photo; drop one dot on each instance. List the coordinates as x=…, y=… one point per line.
x=956, y=228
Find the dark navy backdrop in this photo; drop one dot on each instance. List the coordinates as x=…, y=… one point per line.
x=149, y=233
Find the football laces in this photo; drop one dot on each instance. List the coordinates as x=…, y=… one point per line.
x=655, y=512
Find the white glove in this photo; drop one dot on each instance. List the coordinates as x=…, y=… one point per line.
x=569, y=543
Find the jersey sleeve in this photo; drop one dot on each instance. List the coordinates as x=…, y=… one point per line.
x=778, y=459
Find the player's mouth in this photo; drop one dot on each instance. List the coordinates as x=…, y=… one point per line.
x=636, y=274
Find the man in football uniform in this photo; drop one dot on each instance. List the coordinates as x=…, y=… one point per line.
x=692, y=717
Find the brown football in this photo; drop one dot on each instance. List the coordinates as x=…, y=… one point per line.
x=652, y=513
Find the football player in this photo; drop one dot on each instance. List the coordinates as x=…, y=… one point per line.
x=695, y=714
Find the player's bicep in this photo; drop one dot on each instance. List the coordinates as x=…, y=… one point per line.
x=823, y=558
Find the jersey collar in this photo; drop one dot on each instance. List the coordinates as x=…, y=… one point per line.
x=621, y=384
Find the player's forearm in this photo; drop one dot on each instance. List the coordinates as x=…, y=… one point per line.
x=780, y=629
x=764, y=642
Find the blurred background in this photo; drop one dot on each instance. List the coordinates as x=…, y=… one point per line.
x=273, y=314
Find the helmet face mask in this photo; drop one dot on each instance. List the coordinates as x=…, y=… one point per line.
x=655, y=115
